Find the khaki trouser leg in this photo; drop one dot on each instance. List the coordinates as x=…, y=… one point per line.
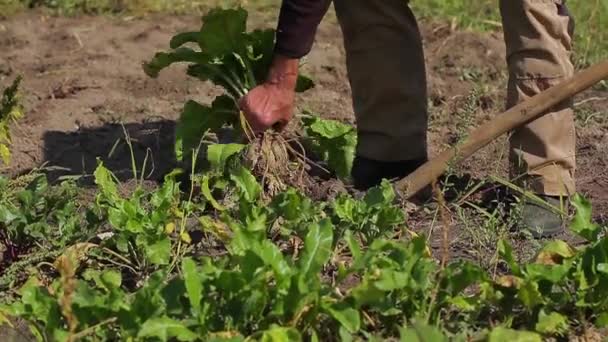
x=538, y=36
x=385, y=64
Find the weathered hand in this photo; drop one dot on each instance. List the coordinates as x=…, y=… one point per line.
x=271, y=104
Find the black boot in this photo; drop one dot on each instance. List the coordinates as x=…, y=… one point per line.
x=368, y=173
x=541, y=221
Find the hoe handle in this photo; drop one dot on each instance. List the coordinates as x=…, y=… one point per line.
x=517, y=116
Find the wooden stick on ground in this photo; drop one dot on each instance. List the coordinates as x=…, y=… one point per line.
x=517, y=116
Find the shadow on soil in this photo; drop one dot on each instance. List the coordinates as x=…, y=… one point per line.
x=75, y=154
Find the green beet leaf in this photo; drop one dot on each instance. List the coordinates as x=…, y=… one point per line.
x=223, y=31
x=105, y=181
x=219, y=154
x=39, y=303
x=159, y=253
x=422, y=333
x=216, y=338
x=248, y=186
x=165, y=329
x=304, y=83
x=501, y=334
x=348, y=209
x=553, y=263
x=228, y=72
x=353, y=246
x=348, y=317
x=280, y=334
x=554, y=252
x=162, y=60
x=206, y=192
x=334, y=142
x=194, y=285
x=293, y=206
x=328, y=129
x=111, y=279
x=366, y=293
x=552, y=323
x=317, y=252
x=506, y=252
x=602, y=320
x=183, y=38
x=530, y=295
x=345, y=336
x=462, y=274
x=554, y=274
x=260, y=54
x=272, y=256
x=381, y=195
x=197, y=120
x=87, y=298
x=582, y=224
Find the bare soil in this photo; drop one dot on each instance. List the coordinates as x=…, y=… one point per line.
x=83, y=81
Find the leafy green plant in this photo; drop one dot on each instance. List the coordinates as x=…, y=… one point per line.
x=374, y=216
x=228, y=56
x=141, y=222
x=561, y=282
x=39, y=215
x=255, y=289
x=334, y=142
x=292, y=269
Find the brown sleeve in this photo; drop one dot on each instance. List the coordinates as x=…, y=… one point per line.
x=298, y=22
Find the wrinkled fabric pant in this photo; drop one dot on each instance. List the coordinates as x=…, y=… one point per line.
x=386, y=70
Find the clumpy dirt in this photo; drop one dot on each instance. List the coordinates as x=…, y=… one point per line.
x=84, y=90
x=82, y=80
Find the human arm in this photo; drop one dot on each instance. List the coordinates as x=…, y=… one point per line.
x=271, y=103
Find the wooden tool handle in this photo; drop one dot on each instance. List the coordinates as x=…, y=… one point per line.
x=515, y=117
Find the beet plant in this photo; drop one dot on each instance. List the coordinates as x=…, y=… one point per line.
x=223, y=52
